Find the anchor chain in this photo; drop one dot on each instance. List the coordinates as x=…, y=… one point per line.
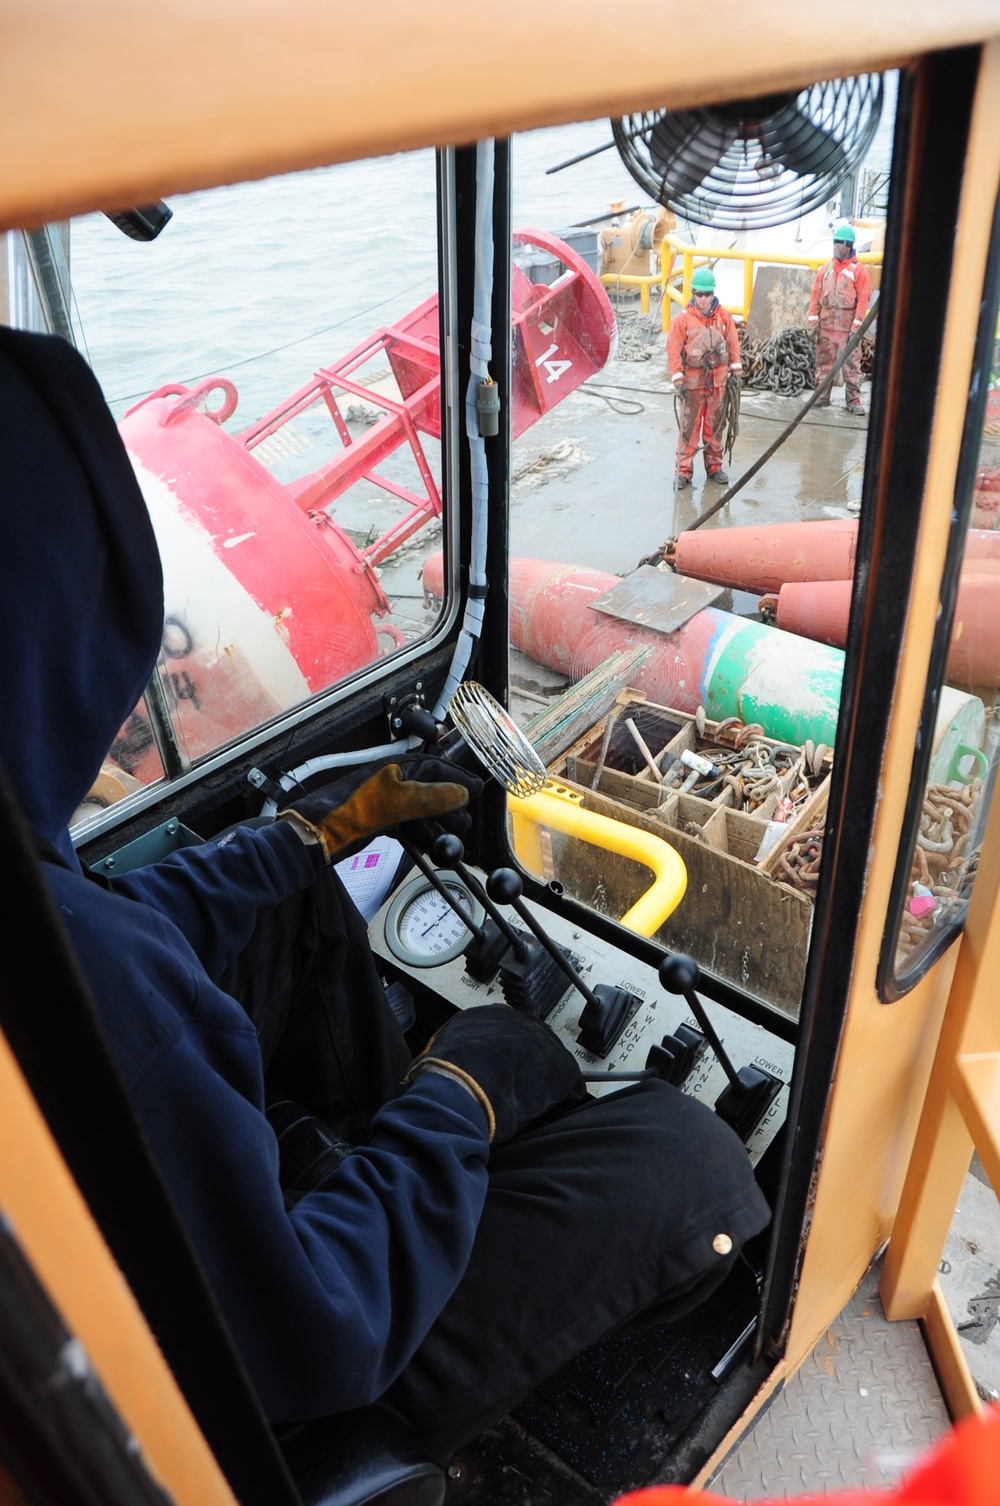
x=786, y=363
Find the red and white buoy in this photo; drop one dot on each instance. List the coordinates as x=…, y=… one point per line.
x=268, y=600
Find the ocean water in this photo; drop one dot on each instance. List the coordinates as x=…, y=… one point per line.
x=263, y=282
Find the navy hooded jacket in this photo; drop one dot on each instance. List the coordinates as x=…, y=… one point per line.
x=329, y=1301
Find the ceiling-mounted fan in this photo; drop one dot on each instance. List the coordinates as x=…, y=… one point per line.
x=748, y=164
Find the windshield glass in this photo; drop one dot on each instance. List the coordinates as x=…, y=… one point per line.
x=686, y=481
x=272, y=360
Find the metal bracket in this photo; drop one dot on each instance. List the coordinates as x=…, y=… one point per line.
x=408, y=714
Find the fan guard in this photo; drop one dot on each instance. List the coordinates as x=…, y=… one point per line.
x=753, y=163
x=496, y=740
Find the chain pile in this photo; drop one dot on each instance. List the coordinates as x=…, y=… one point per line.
x=636, y=337
x=801, y=860
x=785, y=364
x=940, y=863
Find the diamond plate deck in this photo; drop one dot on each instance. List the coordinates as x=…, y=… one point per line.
x=864, y=1402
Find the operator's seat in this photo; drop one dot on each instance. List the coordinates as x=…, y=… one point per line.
x=362, y=1458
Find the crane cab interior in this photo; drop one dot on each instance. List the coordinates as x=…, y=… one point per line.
x=394, y=541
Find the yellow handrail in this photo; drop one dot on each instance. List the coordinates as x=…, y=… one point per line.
x=699, y=256
x=562, y=810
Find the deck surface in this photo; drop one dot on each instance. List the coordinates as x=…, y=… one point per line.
x=862, y=1407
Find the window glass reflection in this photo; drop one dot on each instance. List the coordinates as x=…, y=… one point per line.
x=954, y=799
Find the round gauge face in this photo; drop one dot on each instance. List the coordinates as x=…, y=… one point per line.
x=423, y=929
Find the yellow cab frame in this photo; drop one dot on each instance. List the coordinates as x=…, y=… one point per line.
x=117, y=102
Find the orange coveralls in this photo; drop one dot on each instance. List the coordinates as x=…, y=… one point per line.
x=840, y=297
x=702, y=349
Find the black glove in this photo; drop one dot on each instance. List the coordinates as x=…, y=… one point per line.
x=513, y=1064
x=345, y=815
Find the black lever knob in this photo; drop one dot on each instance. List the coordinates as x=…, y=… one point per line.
x=484, y=956
x=751, y=1090
x=679, y=973
x=447, y=850
x=504, y=886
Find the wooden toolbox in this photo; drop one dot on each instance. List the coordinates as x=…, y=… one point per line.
x=737, y=918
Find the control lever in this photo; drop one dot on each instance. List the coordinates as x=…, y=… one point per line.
x=432, y=876
x=607, y=1010
x=497, y=936
x=750, y=1091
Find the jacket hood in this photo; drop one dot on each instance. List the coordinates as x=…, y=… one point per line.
x=82, y=586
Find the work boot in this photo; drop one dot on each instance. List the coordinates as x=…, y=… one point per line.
x=719, y=477
x=683, y=482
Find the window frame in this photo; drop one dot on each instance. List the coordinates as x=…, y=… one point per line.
x=892, y=985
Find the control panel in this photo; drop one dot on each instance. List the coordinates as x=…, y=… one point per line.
x=621, y=1016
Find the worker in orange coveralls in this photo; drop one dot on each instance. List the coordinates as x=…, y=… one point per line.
x=840, y=297
x=702, y=349
x=963, y=1469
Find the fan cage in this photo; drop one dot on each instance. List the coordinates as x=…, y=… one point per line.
x=496, y=740
x=736, y=153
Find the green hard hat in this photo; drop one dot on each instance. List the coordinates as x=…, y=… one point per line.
x=845, y=233
x=703, y=281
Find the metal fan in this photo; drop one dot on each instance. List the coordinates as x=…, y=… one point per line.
x=496, y=740
x=752, y=163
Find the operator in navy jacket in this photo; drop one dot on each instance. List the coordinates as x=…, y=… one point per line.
x=490, y=1219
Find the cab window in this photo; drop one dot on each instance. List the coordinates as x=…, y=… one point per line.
x=674, y=681
x=272, y=358
x=954, y=770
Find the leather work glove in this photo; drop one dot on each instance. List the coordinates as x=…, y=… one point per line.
x=512, y=1063
x=345, y=815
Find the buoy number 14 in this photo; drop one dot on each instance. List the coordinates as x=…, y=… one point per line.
x=555, y=369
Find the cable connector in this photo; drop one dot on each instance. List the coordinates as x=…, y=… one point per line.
x=488, y=408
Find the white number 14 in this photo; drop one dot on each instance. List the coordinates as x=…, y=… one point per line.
x=555, y=369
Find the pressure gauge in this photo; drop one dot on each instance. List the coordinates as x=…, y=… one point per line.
x=422, y=929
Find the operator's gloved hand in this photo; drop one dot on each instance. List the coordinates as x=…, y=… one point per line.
x=513, y=1064
x=345, y=815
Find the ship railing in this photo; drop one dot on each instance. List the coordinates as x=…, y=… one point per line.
x=679, y=260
